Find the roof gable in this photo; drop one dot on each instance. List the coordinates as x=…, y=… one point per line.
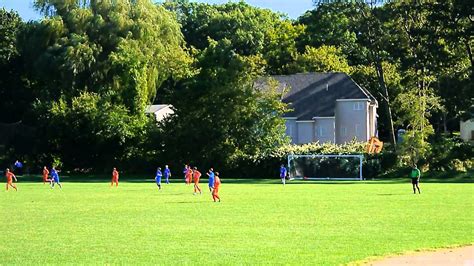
x=315, y=94
x=151, y=109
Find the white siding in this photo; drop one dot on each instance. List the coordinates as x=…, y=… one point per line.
x=291, y=130
x=305, y=131
x=372, y=120
x=324, y=130
x=163, y=113
x=467, y=130
x=348, y=115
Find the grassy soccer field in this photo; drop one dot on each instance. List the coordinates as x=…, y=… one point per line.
x=257, y=222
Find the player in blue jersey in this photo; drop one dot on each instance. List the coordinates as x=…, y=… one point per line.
x=185, y=173
x=18, y=167
x=158, y=177
x=283, y=174
x=55, y=177
x=167, y=173
x=210, y=174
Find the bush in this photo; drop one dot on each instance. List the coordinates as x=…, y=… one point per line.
x=451, y=153
x=268, y=166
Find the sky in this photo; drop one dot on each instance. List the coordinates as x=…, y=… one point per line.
x=293, y=8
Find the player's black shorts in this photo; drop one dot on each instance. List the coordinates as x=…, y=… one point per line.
x=414, y=181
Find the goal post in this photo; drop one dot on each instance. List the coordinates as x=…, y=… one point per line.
x=325, y=166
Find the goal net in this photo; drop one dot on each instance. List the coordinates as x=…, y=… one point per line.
x=325, y=167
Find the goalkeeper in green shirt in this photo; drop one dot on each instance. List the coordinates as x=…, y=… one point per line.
x=415, y=175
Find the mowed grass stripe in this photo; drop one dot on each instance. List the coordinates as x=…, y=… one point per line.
x=323, y=223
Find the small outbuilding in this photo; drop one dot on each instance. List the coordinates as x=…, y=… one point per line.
x=160, y=111
x=467, y=130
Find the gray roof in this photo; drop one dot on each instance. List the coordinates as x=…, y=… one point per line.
x=315, y=94
x=151, y=109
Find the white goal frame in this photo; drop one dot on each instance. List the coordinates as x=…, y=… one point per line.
x=293, y=156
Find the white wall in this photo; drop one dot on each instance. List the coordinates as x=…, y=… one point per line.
x=291, y=129
x=163, y=113
x=324, y=129
x=351, y=121
x=467, y=130
x=305, y=131
x=372, y=120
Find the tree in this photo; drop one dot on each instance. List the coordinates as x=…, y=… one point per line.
x=10, y=23
x=375, y=36
x=356, y=26
x=366, y=77
x=334, y=24
x=15, y=92
x=322, y=59
x=246, y=27
x=417, y=107
x=97, y=65
x=220, y=117
x=280, y=52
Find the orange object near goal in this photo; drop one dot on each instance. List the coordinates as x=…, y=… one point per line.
x=374, y=145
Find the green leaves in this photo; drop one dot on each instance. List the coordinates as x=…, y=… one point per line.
x=322, y=59
x=220, y=117
x=10, y=23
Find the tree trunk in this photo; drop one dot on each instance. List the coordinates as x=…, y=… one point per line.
x=377, y=61
x=445, y=124
x=469, y=52
x=383, y=86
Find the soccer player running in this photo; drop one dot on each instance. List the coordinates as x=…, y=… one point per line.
x=283, y=174
x=158, y=177
x=46, y=175
x=210, y=174
x=415, y=175
x=167, y=174
x=55, y=176
x=215, y=191
x=115, y=178
x=196, y=177
x=10, y=176
x=189, y=175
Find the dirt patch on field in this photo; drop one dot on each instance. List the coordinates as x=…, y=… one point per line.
x=463, y=256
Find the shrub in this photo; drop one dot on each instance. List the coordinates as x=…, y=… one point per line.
x=267, y=166
x=451, y=153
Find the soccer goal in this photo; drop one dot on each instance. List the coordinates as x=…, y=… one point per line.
x=325, y=167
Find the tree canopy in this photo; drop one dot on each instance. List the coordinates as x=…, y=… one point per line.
x=81, y=77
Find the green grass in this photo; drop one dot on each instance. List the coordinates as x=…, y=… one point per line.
x=259, y=222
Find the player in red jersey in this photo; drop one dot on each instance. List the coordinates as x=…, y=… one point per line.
x=115, y=178
x=46, y=175
x=217, y=184
x=10, y=176
x=196, y=176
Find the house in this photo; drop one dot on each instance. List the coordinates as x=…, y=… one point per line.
x=160, y=111
x=326, y=107
x=467, y=130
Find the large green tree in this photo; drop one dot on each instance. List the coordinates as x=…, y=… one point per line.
x=98, y=64
x=250, y=30
x=220, y=117
x=14, y=90
x=334, y=23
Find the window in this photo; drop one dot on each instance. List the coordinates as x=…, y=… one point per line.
x=358, y=106
x=357, y=129
x=343, y=131
x=320, y=131
x=472, y=134
x=289, y=129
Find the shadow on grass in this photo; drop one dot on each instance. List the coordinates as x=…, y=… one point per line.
x=185, y=202
x=390, y=178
